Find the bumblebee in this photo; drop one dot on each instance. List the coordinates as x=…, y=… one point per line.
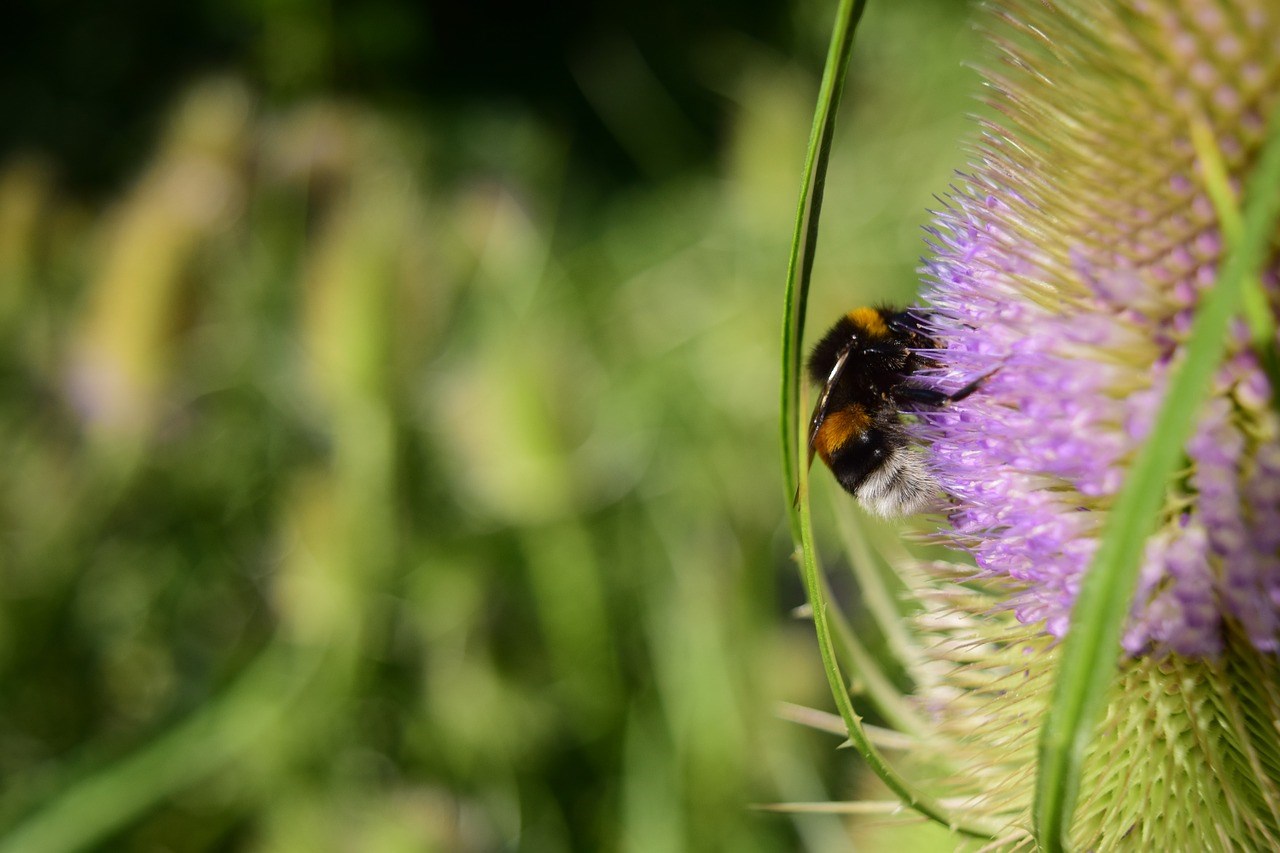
x=865, y=365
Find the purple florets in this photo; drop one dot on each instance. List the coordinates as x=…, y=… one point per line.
x=1033, y=461
x=1071, y=262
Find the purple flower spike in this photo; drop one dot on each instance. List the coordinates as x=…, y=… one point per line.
x=1070, y=261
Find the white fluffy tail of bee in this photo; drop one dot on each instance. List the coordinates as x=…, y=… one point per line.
x=900, y=485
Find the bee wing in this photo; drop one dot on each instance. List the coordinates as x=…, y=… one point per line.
x=820, y=408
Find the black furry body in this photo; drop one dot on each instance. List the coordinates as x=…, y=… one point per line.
x=864, y=365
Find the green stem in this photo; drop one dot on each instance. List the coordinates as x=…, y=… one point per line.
x=858, y=737
x=881, y=692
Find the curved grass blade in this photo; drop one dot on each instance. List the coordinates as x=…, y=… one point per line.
x=1092, y=646
x=858, y=737
x=796, y=472
x=805, y=239
x=882, y=694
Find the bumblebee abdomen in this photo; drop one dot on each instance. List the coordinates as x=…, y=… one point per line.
x=840, y=428
x=854, y=461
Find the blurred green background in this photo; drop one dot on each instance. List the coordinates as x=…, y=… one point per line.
x=388, y=414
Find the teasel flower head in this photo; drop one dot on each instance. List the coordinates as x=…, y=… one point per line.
x=1069, y=259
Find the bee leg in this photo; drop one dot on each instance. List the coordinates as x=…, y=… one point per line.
x=932, y=397
x=970, y=388
x=928, y=396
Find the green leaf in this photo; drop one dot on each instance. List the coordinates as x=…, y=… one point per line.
x=1092, y=646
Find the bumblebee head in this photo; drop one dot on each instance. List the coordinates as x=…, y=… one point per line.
x=861, y=329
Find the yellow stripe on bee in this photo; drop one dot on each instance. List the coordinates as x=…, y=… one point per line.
x=838, y=428
x=869, y=321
